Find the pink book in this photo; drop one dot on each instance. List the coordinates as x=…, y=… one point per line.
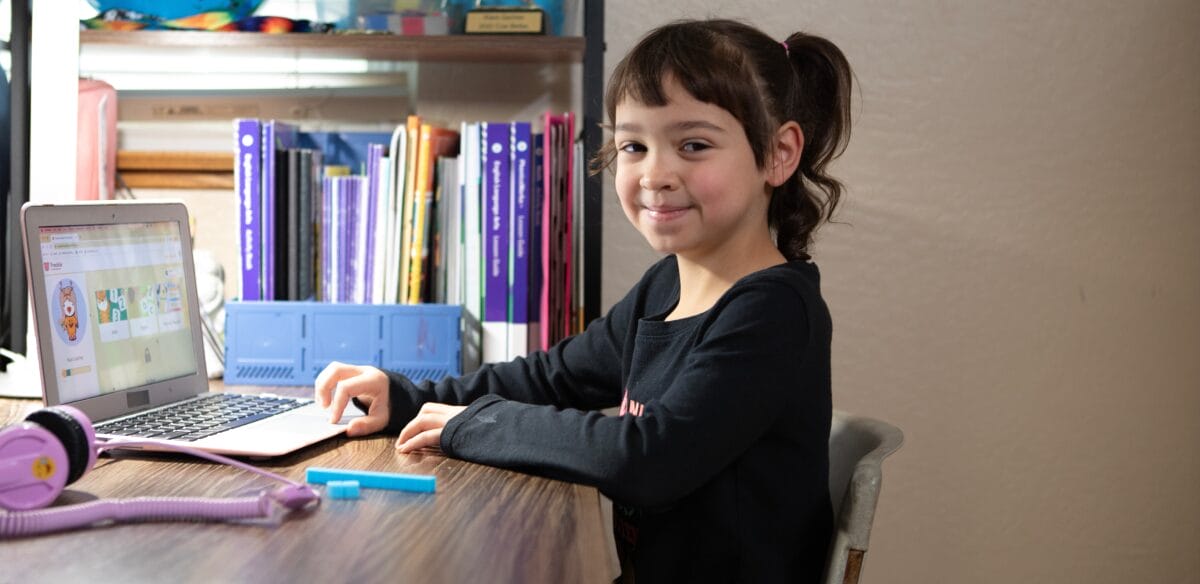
x=568, y=231
x=548, y=121
x=555, y=309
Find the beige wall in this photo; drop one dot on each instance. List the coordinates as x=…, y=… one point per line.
x=1017, y=280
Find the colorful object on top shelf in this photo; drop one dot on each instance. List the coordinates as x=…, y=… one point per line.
x=173, y=9
x=117, y=19
x=408, y=23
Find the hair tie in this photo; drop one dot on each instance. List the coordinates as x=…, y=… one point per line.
x=787, y=50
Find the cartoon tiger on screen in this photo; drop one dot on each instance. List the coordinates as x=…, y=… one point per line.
x=70, y=320
x=102, y=313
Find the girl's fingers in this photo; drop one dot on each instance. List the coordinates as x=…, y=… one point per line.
x=415, y=426
x=432, y=415
x=365, y=425
x=328, y=378
x=427, y=439
x=348, y=388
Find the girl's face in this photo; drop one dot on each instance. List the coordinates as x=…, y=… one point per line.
x=686, y=176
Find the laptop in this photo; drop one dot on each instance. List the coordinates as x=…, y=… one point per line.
x=119, y=334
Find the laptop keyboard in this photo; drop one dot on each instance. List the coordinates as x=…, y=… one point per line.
x=200, y=418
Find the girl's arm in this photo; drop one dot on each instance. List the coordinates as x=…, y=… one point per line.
x=742, y=378
x=581, y=372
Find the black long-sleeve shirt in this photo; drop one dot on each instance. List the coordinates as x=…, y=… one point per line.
x=718, y=463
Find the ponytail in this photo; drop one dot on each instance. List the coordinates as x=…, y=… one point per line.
x=820, y=104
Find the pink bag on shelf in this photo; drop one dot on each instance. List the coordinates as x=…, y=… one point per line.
x=96, y=157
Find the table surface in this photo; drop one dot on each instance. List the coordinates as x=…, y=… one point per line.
x=482, y=524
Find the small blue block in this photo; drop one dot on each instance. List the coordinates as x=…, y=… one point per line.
x=373, y=480
x=342, y=489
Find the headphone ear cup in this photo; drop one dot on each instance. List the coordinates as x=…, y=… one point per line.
x=71, y=434
x=33, y=467
x=89, y=433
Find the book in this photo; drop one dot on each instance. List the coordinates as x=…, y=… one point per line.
x=416, y=241
x=579, y=162
x=321, y=233
x=358, y=214
x=344, y=238
x=247, y=148
x=398, y=160
x=568, y=228
x=536, y=203
x=496, y=138
x=549, y=295
x=342, y=220
x=371, y=224
x=518, y=280
x=329, y=263
x=413, y=129
x=288, y=226
x=434, y=142
x=445, y=232
x=556, y=313
x=472, y=238
x=310, y=182
x=380, y=240
x=276, y=137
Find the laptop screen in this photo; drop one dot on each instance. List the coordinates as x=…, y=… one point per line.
x=117, y=306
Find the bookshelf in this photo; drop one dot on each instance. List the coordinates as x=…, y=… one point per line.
x=56, y=57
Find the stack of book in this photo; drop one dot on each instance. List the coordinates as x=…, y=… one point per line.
x=483, y=216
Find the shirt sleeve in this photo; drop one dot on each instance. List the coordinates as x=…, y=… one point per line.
x=582, y=372
x=741, y=374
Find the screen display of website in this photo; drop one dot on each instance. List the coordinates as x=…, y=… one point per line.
x=117, y=306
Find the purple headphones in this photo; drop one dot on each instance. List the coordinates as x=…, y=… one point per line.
x=55, y=446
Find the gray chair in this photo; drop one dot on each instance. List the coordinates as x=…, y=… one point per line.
x=857, y=447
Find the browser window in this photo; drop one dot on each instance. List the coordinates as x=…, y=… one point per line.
x=118, y=310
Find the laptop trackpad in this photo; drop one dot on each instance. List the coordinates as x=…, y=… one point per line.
x=303, y=420
x=280, y=434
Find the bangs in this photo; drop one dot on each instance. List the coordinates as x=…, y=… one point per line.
x=708, y=66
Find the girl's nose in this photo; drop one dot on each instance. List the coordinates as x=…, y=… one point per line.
x=658, y=179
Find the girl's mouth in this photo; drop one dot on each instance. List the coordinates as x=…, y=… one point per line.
x=665, y=213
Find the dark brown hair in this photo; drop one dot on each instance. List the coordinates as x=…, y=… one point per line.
x=763, y=84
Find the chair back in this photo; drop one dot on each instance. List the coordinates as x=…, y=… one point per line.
x=857, y=447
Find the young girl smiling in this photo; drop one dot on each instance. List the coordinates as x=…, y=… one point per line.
x=717, y=462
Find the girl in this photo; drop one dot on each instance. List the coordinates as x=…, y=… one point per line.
x=717, y=463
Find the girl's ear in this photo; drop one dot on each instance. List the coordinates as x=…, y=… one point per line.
x=789, y=143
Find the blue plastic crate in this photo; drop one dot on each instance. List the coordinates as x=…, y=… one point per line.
x=289, y=343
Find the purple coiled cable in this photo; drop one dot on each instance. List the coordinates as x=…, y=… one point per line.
x=140, y=508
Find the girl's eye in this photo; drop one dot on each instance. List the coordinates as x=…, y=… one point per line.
x=694, y=146
x=632, y=147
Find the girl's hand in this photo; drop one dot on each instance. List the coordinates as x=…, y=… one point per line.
x=339, y=382
x=425, y=430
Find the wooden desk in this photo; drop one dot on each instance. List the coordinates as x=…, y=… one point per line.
x=482, y=525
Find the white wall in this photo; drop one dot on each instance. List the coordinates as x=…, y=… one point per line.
x=1016, y=281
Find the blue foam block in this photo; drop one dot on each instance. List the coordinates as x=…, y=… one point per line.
x=373, y=480
x=342, y=489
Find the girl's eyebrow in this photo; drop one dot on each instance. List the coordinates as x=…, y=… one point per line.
x=677, y=126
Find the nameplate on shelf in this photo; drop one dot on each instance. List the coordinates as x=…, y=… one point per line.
x=506, y=20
